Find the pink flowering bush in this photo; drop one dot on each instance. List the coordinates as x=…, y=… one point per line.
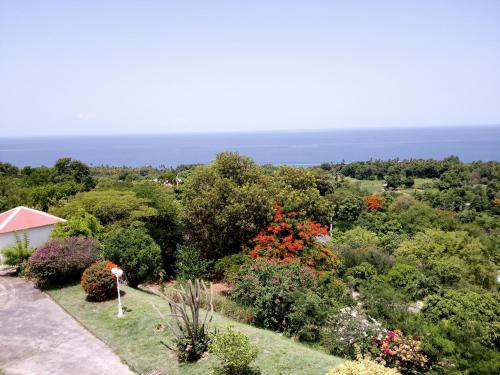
x=62, y=260
x=272, y=290
x=403, y=353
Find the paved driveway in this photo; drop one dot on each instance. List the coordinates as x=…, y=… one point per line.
x=37, y=337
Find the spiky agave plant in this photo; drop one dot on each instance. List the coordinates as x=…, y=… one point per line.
x=192, y=324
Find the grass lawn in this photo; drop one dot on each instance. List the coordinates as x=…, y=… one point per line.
x=137, y=342
x=377, y=186
x=419, y=182
x=370, y=186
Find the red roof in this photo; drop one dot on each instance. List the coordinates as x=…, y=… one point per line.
x=21, y=218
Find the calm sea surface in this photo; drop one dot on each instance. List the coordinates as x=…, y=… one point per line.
x=298, y=148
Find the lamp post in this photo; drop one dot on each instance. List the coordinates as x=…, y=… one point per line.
x=118, y=273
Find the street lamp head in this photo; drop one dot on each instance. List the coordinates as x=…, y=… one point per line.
x=117, y=271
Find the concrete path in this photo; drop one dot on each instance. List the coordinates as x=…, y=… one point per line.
x=37, y=337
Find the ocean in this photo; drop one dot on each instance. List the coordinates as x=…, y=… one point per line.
x=301, y=148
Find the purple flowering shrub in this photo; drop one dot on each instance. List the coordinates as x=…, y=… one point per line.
x=62, y=260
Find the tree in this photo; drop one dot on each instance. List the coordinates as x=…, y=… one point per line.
x=66, y=168
x=235, y=167
x=402, y=203
x=190, y=264
x=393, y=181
x=47, y=195
x=166, y=225
x=324, y=181
x=296, y=178
x=7, y=169
x=408, y=182
x=136, y=252
x=113, y=208
x=419, y=217
x=291, y=240
x=373, y=202
x=222, y=216
x=12, y=193
x=359, y=237
x=348, y=206
x=455, y=177
x=450, y=256
x=81, y=224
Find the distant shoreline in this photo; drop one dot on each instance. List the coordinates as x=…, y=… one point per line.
x=300, y=148
x=277, y=131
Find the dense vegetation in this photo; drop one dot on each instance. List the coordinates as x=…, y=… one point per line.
x=405, y=274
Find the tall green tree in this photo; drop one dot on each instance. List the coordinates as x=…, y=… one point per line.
x=113, y=208
x=166, y=226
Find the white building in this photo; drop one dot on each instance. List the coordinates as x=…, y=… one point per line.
x=20, y=220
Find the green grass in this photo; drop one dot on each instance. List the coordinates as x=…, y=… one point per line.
x=377, y=186
x=419, y=182
x=370, y=186
x=136, y=341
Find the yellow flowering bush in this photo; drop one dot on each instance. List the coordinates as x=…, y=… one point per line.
x=362, y=366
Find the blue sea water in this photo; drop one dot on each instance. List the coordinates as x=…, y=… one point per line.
x=297, y=148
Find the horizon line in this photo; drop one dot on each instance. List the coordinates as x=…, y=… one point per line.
x=201, y=132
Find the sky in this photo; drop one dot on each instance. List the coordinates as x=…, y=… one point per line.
x=108, y=67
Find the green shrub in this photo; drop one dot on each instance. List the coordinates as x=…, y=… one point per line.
x=402, y=203
x=307, y=314
x=15, y=256
x=384, y=303
x=227, y=268
x=410, y=279
x=190, y=264
x=360, y=273
x=18, y=254
x=390, y=241
x=464, y=307
x=62, y=260
x=272, y=290
x=451, y=256
x=359, y=237
x=351, y=257
x=135, y=251
x=408, y=182
x=461, y=349
x=99, y=282
x=362, y=366
x=234, y=351
x=80, y=224
x=348, y=206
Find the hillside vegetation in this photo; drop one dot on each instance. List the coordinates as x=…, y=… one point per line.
x=393, y=260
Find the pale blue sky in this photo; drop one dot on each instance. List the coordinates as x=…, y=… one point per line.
x=95, y=67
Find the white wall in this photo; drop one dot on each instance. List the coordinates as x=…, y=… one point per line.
x=36, y=237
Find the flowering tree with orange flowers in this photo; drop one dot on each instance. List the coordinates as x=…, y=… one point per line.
x=373, y=202
x=291, y=240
